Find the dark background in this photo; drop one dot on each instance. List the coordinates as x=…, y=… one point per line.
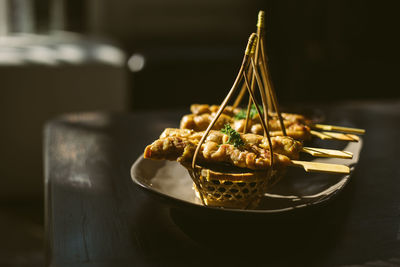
x=319, y=51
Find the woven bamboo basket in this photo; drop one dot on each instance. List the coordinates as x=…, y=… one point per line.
x=238, y=190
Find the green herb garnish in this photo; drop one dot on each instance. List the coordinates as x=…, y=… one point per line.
x=234, y=137
x=253, y=112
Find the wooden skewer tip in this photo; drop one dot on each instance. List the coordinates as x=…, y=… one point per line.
x=260, y=21
x=251, y=44
x=310, y=166
x=335, y=136
x=327, y=127
x=327, y=153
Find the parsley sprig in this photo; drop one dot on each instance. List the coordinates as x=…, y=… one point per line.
x=243, y=112
x=234, y=137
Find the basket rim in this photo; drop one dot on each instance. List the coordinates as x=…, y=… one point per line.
x=245, y=176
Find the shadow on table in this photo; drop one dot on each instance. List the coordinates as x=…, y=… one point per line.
x=22, y=233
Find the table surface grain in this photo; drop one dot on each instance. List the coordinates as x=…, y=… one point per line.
x=96, y=216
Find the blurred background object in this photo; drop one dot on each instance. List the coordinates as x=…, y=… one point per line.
x=49, y=65
x=59, y=56
x=44, y=74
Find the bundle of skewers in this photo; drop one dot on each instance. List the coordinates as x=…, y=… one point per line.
x=233, y=155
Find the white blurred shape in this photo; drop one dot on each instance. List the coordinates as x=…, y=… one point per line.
x=41, y=54
x=136, y=62
x=70, y=53
x=10, y=56
x=109, y=54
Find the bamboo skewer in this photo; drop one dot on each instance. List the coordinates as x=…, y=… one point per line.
x=240, y=96
x=252, y=73
x=260, y=22
x=264, y=70
x=328, y=153
x=262, y=62
x=265, y=80
x=270, y=97
x=335, y=136
x=262, y=93
x=246, y=123
x=350, y=130
x=321, y=167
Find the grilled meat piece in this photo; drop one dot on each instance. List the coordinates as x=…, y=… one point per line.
x=201, y=122
x=182, y=150
x=280, y=144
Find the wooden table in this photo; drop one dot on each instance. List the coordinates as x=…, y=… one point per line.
x=96, y=216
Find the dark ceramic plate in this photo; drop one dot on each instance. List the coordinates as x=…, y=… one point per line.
x=297, y=189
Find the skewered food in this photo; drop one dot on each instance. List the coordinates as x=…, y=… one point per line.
x=199, y=122
x=281, y=144
x=252, y=154
x=199, y=109
x=239, y=113
x=297, y=126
